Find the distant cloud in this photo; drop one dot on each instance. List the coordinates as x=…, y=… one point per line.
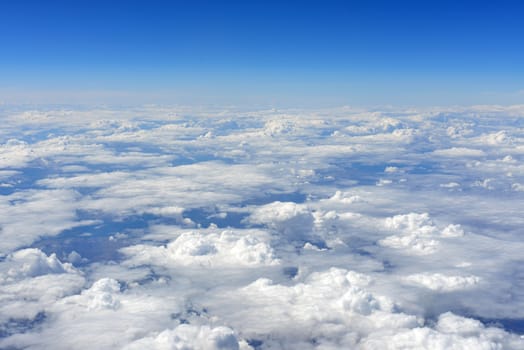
x=459, y=152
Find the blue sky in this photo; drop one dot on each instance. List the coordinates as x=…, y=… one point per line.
x=262, y=52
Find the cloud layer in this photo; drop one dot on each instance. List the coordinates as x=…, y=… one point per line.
x=173, y=228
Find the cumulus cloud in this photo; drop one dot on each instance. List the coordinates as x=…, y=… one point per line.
x=328, y=308
x=345, y=197
x=32, y=263
x=294, y=221
x=452, y=332
x=189, y=337
x=209, y=248
x=102, y=316
x=453, y=231
x=30, y=282
x=416, y=233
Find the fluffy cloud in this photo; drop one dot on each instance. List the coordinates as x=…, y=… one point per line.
x=30, y=282
x=294, y=221
x=328, y=308
x=102, y=316
x=416, y=233
x=189, y=337
x=209, y=248
x=452, y=332
x=32, y=263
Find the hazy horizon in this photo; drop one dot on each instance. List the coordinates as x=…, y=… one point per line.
x=267, y=53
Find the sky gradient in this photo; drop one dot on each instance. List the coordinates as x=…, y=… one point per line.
x=301, y=53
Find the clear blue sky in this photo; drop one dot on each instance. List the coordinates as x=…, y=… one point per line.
x=262, y=52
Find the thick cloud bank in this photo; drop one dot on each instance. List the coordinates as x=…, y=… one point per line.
x=175, y=228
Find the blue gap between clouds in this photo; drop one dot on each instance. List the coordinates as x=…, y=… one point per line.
x=93, y=241
x=21, y=325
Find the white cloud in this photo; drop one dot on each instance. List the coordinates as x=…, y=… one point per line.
x=28, y=215
x=384, y=182
x=459, y=152
x=32, y=263
x=517, y=187
x=294, y=221
x=345, y=197
x=417, y=233
x=332, y=307
x=496, y=138
x=453, y=332
x=486, y=183
x=31, y=281
x=450, y=185
x=392, y=169
x=189, y=337
x=102, y=316
x=207, y=248
x=453, y=231
x=443, y=283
